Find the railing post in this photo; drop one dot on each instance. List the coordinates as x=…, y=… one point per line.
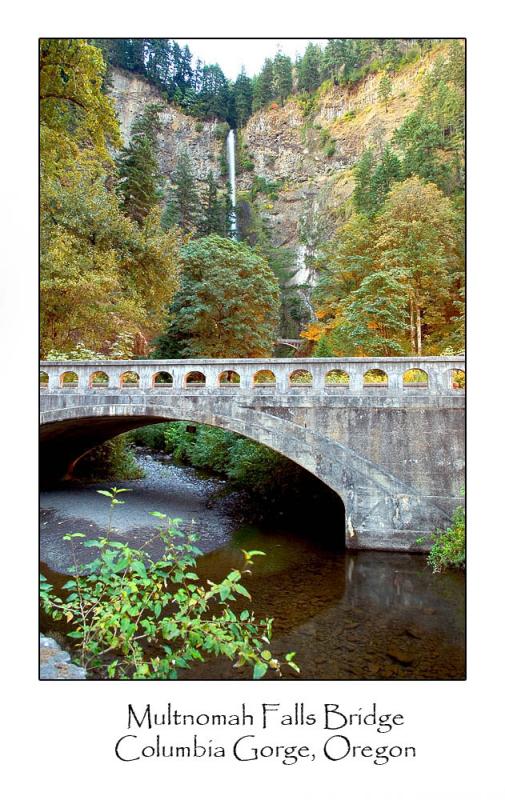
x=54, y=379
x=395, y=379
x=281, y=372
x=178, y=376
x=355, y=379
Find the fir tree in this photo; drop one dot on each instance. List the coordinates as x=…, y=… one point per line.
x=214, y=211
x=242, y=93
x=263, y=86
x=309, y=69
x=183, y=204
x=282, y=76
x=140, y=178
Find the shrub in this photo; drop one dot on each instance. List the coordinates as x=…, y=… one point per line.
x=113, y=459
x=449, y=546
x=199, y=127
x=124, y=600
x=330, y=150
x=152, y=436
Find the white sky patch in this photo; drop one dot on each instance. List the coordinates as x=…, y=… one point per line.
x=233, y=54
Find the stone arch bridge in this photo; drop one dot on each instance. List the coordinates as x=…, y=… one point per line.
x=388, y=440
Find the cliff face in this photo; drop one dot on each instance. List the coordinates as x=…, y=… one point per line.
x=131, y=94
x=308, y=153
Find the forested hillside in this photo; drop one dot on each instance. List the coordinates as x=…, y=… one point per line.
x=350, y=181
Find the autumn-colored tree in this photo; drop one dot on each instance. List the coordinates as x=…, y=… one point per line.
x=418, y=239
x=393, y=284
x=227, y=305
x=101, y=275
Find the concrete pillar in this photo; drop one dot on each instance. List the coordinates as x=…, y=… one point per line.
x=318, y=376
x=54, y=378
x=395, y=380
x=178, y=376
x=355, y=379
x=281, y=372
x=145, y=376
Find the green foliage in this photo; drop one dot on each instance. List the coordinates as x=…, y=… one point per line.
x=282, y=77
x=390, y=284
x=112, y=460
x=385, y=87
x=133, y=616
x=215, y=210
x=227, y=306
x=152, y=436
x=140, y=179
x=261, y=185
x=308, y=68
x=183, y=203
x=448, y=548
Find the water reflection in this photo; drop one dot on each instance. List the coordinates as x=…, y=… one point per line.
x=348, y=615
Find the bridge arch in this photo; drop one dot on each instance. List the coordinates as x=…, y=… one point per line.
x=376, y=449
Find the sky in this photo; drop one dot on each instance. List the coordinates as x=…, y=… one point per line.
x=232, y=54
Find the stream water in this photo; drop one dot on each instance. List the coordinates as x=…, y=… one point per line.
x=348, y=615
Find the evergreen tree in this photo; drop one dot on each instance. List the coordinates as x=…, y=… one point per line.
x=388, y=171
x=282, y=76
x=263, y=86
x=242, y=94
x=385, y=87
x=140, y=178
x=362, y=196
x=214, y=210
x=183, y=204
x=309, y=69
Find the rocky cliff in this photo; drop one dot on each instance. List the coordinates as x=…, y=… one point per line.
x=202, y=140
x=304, y=150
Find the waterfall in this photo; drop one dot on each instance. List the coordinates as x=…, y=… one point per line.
x=230, y=149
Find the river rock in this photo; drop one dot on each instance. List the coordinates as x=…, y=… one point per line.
x=55, y=663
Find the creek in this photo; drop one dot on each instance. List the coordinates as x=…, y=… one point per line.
x=347, y=614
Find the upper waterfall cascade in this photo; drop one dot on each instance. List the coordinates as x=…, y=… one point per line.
x=230, y=149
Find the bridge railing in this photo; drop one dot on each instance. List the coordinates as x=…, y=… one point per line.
x=430, y=375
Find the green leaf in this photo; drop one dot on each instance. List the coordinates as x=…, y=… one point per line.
x=259, y=670
x=266, y=654
x=157, y=514
x=104, y=492
x=242, y=590
x=139, y=568
x=224, y=592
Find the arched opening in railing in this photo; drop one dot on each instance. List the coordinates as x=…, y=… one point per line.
x=337, y=377
x=98, y=380
x=264, y=377
x=69, y=380
x=415, y=379
x=44, y=380
x=300, y=377
x=129, y=380
x=162, y=380
x=375, y=379
x=228, y=378
x=458, y=379
x=194, y=379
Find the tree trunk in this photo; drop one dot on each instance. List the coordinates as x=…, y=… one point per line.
x=418, y=326
x=412, y=328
